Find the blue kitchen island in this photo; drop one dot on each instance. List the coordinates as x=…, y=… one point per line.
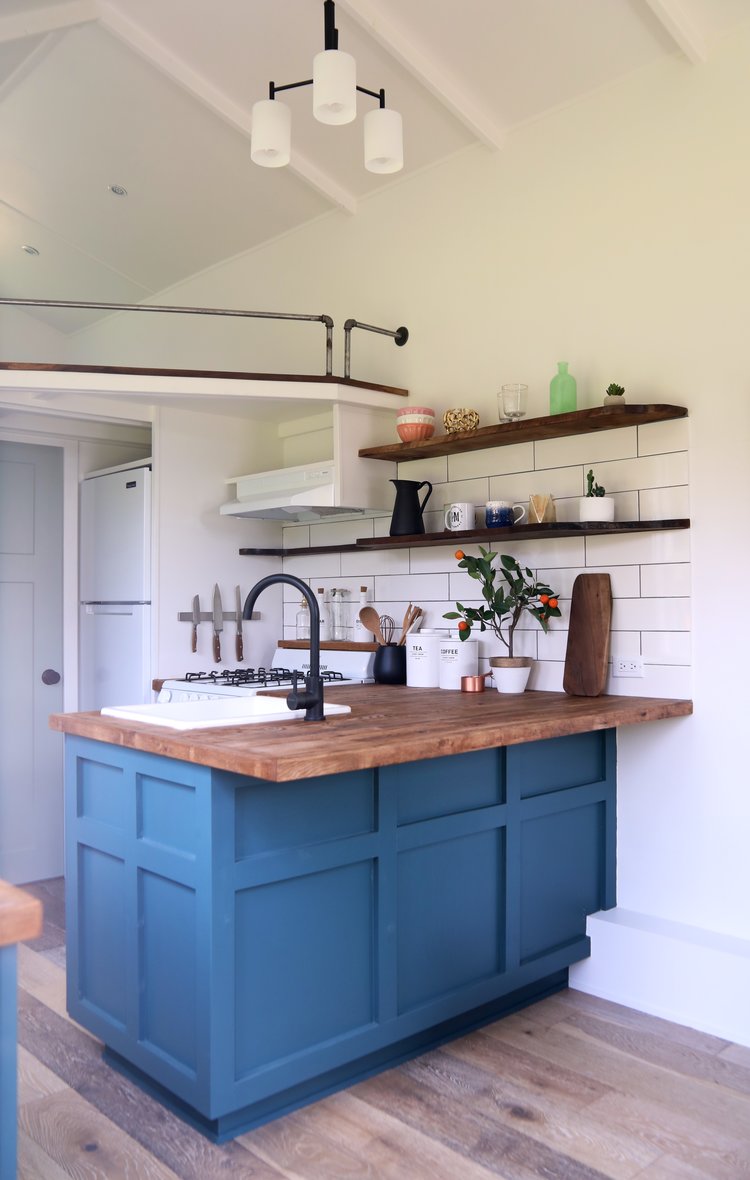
x=260, y=915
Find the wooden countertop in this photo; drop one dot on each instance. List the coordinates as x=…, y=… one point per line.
x=387, y=725
x=20, y=915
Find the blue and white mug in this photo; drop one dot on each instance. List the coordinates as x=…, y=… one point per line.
x=502, y=514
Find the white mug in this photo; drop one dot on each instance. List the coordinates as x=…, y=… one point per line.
x=459, y=517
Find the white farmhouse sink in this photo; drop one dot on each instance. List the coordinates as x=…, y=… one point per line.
x=211, y=713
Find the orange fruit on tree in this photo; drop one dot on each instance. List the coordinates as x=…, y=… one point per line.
x=463, y=625
x=553, y=602
x=459, y=555
x=544, y=598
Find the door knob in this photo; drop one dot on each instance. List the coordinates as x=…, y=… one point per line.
x=50, y=676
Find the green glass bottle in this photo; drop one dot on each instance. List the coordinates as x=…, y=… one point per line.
x=562, y=390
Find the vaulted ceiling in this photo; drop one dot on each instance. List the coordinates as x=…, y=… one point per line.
x=155, y=96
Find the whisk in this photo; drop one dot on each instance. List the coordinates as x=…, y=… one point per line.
x=387, y=627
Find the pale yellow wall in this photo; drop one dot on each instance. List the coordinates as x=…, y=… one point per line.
x=614, y=234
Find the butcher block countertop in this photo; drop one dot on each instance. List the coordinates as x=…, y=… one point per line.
x=20, y=915
x=387, y=725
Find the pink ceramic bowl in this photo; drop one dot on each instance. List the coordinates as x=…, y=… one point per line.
x=415, y=431
x=416, y=410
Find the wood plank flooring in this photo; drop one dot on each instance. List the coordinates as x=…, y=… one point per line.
x=572, y=1088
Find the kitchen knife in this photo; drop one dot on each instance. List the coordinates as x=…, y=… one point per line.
x=238, y=639
x=218, y=618
x=196, y=621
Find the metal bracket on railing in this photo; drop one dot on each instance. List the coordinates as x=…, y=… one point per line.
x=400, y=336
x=258, y=315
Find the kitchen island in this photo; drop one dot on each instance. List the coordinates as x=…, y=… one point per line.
x=261, y=914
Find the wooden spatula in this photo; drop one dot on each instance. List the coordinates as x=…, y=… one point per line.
x=587, y=653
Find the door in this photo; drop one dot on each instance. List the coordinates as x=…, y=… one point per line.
x=31, y=596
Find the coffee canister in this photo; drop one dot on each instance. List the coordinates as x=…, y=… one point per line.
x=457, y=659
x=422, y=657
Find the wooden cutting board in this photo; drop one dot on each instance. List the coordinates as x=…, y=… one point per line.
x=587, y=653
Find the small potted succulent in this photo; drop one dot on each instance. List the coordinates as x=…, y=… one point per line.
x=596, y=504
x=504, y=605
x=615, y=395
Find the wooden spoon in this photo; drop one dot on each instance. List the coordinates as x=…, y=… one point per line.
x=370, y=620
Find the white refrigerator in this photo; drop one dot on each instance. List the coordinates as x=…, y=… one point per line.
x=115, y=587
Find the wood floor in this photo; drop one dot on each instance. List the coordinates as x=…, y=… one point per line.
x=573, y=1088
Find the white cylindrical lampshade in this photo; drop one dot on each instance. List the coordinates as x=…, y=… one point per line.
x=384, y=141
x=334, y=87
x=271, y=135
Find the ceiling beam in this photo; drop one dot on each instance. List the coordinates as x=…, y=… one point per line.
x=36, y=22
x=427, y=70
x=238, y=117
x=681, y=29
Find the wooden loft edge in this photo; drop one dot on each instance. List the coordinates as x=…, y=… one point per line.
x=527, y=430
x=217, y=374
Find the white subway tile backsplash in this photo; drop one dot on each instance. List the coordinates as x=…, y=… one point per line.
x=313, y=565
x=434, y=469
x=651, y=471
x=646, y=470
x=342, y=532
x=586, y=448
x=664, y=503
x=557, y=481
x=433, y=559
x=664, y=581
x=418, y=588
x=494, y=461
x=297, y=536
x=651, y=614
x=624, y=643
x=666, y=647
x=639, y=548
x=661, y=680
x=659, y=437
x=375, y=561
x=625, y=579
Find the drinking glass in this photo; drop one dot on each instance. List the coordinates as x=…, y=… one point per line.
x=512, y=401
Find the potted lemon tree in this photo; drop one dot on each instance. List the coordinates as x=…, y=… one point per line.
x=506, y=599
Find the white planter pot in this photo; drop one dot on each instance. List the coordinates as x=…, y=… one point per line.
x=600, y=508
x=611, y=399
x=511, y=675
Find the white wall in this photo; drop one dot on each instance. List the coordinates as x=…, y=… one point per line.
x=196, y=547
x=24, y=337
x=613, y=234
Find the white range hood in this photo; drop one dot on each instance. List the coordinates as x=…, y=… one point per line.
x=342, y=486
x=305, y=493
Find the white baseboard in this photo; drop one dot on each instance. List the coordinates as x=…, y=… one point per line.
x=682, y=973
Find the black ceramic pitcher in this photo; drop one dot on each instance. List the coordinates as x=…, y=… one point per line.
x=407, y=511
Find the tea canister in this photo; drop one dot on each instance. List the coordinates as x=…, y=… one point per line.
x=457, y=658
x=422, y=657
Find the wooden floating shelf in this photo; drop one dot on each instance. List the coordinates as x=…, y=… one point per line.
x=526, y=430
x=514, y=533
x=328, y=645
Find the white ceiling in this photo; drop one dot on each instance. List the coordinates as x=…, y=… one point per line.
x=156, y=95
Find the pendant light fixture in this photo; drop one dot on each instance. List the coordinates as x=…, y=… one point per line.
x=334, y=84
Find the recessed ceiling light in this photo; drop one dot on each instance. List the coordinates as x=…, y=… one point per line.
x=117, y=190
x=30, y=250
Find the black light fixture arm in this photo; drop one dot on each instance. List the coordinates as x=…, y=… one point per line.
x=330, y=41
x=400, y=336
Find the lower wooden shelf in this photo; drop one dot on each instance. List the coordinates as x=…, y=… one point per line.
x=514, y=533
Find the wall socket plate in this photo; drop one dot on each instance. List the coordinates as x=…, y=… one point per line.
x=627, y=666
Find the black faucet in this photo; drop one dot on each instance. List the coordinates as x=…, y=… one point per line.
x=311, y=700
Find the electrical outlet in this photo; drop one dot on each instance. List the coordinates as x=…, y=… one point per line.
x=627, y=666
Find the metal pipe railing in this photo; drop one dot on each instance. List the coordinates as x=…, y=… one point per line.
x=259, y=315
x=400, y=336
